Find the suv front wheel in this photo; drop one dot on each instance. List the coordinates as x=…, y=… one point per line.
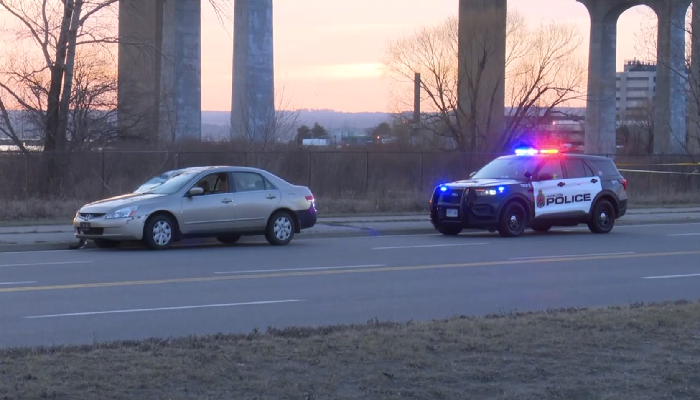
x=513, y=220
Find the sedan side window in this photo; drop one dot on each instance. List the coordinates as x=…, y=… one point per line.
x=214, y=184
x=248, y=181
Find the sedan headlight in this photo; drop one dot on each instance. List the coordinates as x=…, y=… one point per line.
x=127, y=212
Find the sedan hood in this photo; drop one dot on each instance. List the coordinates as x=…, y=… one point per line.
x=114, y=203
x=483, y=183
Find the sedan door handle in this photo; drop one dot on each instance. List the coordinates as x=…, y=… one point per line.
x=271, y=196
x=594, y=180
x=560, y=184
x=226, y=201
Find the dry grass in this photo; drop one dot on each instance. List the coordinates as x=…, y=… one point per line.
x=642, y=352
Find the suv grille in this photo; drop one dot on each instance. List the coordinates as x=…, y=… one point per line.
x=452, y=197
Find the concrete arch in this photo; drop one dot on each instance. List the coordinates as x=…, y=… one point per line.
x=670, y=100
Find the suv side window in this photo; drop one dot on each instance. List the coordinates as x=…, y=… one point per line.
x=576, y=168
x=604, y=168
x=552, y=167
x=248, y=181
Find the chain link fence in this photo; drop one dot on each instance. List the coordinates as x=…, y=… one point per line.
x=94, y=175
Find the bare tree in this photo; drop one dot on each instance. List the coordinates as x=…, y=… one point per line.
x=542, y=72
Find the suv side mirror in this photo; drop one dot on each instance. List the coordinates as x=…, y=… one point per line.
x=528, y=175
x=545, y=176
x=195, y=191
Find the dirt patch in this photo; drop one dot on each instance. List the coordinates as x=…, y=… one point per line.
x=640, y=352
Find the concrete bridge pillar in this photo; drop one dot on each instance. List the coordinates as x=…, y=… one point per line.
x=671, y=77
x=693, y=109
x=481, y=69
x=670, y=100
x=253, y=97
x=601, y=104
x=160, y=70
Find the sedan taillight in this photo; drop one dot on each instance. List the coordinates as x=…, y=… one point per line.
x=310, y=198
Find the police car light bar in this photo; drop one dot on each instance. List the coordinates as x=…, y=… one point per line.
x=532, y=152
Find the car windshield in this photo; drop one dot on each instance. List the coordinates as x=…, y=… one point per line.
x=508, y=168
x=167, y=183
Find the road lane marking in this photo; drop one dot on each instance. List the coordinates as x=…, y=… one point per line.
x=298, y=269
x=137, y=310
x=671, y=276
x=44, y=263
x=570, y=256
x=684, y=234
x=222, y=278
x=427, y=245
x=17, y=283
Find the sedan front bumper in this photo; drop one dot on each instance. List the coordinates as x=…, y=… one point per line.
x=123, y=229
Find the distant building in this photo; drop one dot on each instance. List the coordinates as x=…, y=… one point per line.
x=635, y=90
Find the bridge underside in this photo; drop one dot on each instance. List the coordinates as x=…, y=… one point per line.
x=160, y=70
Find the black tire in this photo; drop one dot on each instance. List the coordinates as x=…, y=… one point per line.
x=541, y=228
x=106, y=244
x=513, y=220
x=450, y=231
x=280, y=229
x=602, y=218
x=228, y=239
x=159, y=232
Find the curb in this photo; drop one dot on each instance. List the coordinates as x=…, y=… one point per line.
x=355, y=232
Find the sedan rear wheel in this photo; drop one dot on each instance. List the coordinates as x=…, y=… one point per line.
x=280, y=229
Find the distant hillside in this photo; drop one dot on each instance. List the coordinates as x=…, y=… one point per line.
x=330, y=119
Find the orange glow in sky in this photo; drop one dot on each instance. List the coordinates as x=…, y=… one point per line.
x=328, y=54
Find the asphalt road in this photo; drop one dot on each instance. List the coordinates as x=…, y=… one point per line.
x=78, y=296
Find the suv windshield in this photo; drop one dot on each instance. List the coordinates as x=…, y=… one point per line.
x=167, y=183
x=508, y=168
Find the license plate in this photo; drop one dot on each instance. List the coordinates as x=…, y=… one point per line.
x=451, y=213
x=84, y=225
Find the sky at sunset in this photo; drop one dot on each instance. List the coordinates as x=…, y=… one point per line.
x=328, y=53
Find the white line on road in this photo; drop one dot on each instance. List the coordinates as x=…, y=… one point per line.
x=252, y=303
x=684, y=234
x=300, y=269
x=671, y=276
x=427, y=245
x=572, y=256
x=44, y=263
x=17, y=283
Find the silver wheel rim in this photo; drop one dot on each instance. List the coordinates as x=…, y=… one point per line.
x=283, y=228
x=162, y=233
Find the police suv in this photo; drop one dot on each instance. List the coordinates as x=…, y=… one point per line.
x=534, y=188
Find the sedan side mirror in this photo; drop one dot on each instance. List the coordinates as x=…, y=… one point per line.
x=195, y=191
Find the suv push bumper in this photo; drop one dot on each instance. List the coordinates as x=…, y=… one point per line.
x=475, y=216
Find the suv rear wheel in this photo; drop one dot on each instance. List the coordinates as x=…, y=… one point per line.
x=602, y=218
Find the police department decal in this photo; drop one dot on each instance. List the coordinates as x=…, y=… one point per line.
x=540, y=199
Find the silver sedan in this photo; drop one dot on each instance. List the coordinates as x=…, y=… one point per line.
x=222, y=202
